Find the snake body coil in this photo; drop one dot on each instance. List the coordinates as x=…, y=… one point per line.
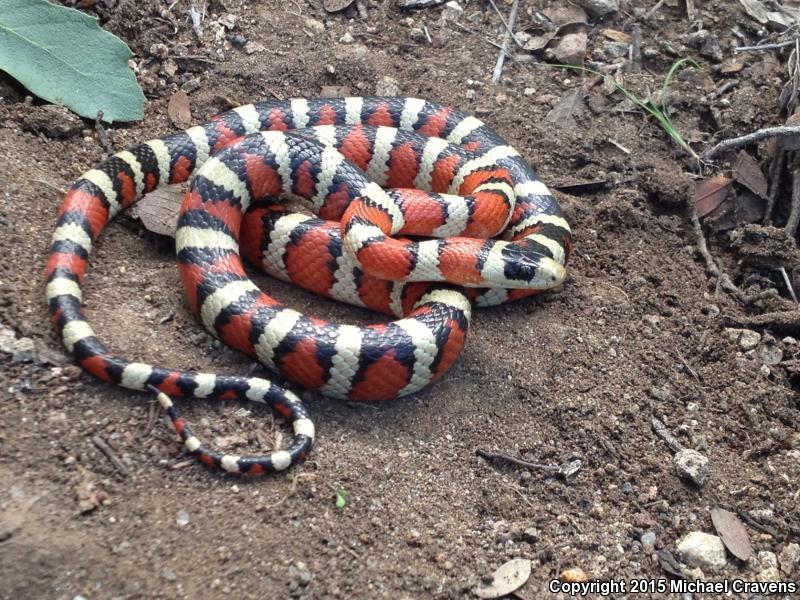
x=370, y=169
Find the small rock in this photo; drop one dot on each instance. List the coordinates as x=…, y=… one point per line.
x=771, y=353
x=347, y=38
x=769, y=567
x=7, y=339
x=54, y=122
x=571, y=49
x=191, y=86
x=452, y=12
x=387, y=86
x=614, y=50
x=237, y=39
x=648, y=541
x=599, y=8
x=662, y=393
x=24, y=350
x=789, y=559
x=315, y=26
x=692, y=465
x=698, y=549
x=509, y=577
x=531, y=535
x=182, y=518
x=574, y=575
x=706, y=43
x=169, y=574
x=159, y=51
x=747, y=338
x=253, y=47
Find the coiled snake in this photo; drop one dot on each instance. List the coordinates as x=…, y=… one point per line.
x=446, y=176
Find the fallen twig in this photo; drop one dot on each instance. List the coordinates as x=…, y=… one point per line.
x=784, y=321
x=483, y=37
x=120, y=466
x=197, y=16
x=512, y=17
x=564, y=471
x=751, y=138
x=723, y=280
x=665, y=434
x=763, y=47
x=788, y=284
x=102, y=134
x=775, y=171
x=794, y=215
x=758, y=525
x=505, y=23
x=652, y=11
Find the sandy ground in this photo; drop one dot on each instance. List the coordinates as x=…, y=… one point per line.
x=637, y=332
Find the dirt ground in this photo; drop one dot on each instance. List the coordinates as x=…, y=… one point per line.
x=638, y=331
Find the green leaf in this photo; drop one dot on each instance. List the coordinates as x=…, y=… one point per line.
x=62, y=55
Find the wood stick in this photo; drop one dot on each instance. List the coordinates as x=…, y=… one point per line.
x=498, y=68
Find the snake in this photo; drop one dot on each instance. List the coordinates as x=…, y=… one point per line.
x=417, y=210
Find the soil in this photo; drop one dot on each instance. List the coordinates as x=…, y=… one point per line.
x=638, y=331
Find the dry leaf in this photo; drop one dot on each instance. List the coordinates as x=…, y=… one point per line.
x=748, y=172
x=158, y=210
x=736, y=210
x=777, y=19
x=567, y=15
x=563, y=112
x=538, y=42
x=710, y=193
x=179, y=111
x=511, y=576
x=733, y=533
x=617, y=36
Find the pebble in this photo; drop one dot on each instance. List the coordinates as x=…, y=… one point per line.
x=747, y=338
x=599, y=8
x=182, y=518
x=662, y=393
x=237, y=39
x=191, y=86
x=253, y=47
x=315, y=26
x=692, y=465
x=169, y=575
x=54, y=122
x=387, y=86
x=452, y=12
x=24, y=350
x=699, y=549
x=7, y=339
x=347, y=38
x=615, y=50
x=706, y=43
x=571, y=49
x=648, y=541
x=574, y=575
x=789, y=559
x=769, y=566
x=771, y=353
x=531, y=535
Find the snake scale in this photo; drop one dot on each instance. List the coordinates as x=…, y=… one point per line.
x=422, y=212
